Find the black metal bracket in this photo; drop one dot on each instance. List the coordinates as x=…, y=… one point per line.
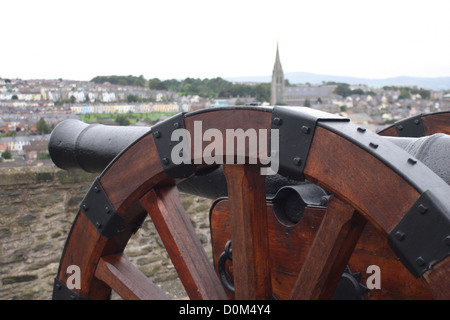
x=422, y=237
x=290, y=202
x=162, y=133
x=61, y=292
x=296, y=126
x=410, y=127
x=99, y=210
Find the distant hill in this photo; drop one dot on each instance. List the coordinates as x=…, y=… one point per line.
x=439, y=83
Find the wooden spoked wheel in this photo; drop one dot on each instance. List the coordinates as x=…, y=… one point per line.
x=371, y=180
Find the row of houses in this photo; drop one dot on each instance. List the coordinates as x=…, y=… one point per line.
x=76, y=91
x=20, y=143
x=125, y=108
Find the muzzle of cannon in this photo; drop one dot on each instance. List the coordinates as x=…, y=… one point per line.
x=343, y=200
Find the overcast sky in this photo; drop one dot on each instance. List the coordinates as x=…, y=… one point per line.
x=80, y=39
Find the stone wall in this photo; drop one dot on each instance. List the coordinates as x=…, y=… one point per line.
x=37, y=208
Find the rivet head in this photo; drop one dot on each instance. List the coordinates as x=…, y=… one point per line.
x=297, y=161
x=277, y=121
x=422, y=209
x=412, y=161
x=420, y=261
x=417, y=121
x=400, y=128
x=361, y=129
x=400, y=236
x=176, y=125
x=447, y=240
x=157, y=134
x=85, y=207
x=99, y=225
x=306, y=130
x=96, y=189
x=107, y=210
x=373, y=145
x=165, y=161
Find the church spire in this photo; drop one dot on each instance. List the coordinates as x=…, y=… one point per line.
x=277, y=87
x=277, y=60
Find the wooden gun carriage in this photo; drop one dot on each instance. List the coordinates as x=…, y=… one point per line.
x=343, y=199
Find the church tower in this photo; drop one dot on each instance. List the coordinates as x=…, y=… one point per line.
x=277, y=88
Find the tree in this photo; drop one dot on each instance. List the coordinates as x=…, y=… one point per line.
x=343, y=89
x=42, y=127
x=6, y=154
x=404, y=94
x=307, y=103
x=122, y=120
x=132, y=98
x=156, y=84
x=121, y=80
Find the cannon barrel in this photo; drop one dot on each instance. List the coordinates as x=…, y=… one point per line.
x=74, y=144
x=91, y=147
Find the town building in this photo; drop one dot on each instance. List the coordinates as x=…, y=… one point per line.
x=277, y=87
x=295, y=95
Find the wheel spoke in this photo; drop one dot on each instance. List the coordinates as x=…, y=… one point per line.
x=332, y=247
x=182, y=244
x=249, y=232
x=125, y=279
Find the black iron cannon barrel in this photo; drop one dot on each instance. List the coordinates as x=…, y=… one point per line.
x=74, y=144
x=91, y=147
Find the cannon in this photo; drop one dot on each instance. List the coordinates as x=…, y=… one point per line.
x=340, y=199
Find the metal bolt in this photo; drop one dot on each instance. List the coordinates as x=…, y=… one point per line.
x=297, y=161
x=176, y=125
x=107, y=210
x=399, y=235
x=447, y=240
x=96, y=189
x=306, y=130
x=412, y=161
x=277, y=121
x=373, y=145
x=85, y=207
x=99, y=225
x=361, y=129
x=165, y=161
x=417, y=121
x=422, y=209
x=157, y=134
x=420, y=261
x=400, y=128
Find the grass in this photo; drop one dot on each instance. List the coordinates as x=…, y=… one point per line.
x=149, y=118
